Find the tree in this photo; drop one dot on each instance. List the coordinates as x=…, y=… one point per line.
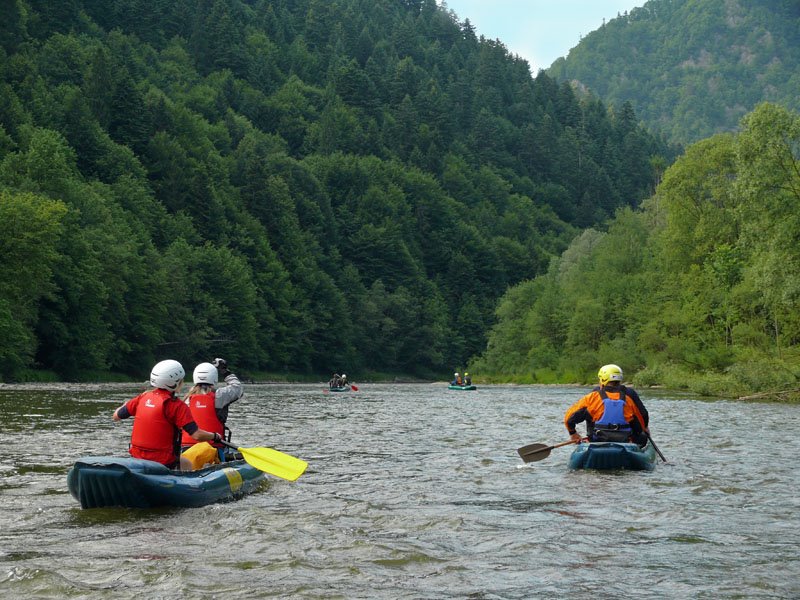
x=769, y=180
x=32, y=226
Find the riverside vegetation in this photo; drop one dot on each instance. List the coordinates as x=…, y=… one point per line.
x=309, y=185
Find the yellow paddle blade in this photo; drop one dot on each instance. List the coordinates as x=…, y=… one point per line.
x=274, y=462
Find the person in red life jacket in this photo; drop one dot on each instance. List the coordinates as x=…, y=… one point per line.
x=160, y=415
x=612, y=412
x=209, y=406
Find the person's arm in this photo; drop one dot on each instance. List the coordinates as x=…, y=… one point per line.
x=636, y=427
x=632, y=417
x=201, y=435
x=127, y=410
x=577, y=413
x=121, y=413
x=231, y=392
x=644, y=416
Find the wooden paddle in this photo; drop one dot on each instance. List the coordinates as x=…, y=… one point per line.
x=272, y=462
x=534, y=452
x=654, y=446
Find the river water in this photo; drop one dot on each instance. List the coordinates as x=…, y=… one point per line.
x=412, y=491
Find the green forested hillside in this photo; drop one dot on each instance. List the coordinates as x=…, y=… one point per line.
x=298, y=185
x=698, y=289
x=693, y=68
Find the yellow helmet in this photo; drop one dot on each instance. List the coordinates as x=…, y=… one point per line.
x=465, y=374
x=609, y=373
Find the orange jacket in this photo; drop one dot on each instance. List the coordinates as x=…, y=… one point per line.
x=590, y=408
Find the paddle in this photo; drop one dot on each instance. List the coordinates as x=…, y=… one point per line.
x=534, y=452
x=647, y=433
x=271, y=461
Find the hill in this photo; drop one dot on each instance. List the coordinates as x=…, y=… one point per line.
x=299, y=186
x=692, y=68
x=697, y=289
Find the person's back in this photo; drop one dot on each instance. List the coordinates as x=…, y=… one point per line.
x=154, y=428
x=614, y=423
x=609, y=410
x=160, y=416
x=201, y=401
x=209, y=404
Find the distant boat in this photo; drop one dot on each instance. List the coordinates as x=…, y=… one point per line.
x=462, y=387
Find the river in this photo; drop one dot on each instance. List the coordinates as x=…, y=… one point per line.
x=412, y=491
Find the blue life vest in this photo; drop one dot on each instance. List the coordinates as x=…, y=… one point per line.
x=613, y=415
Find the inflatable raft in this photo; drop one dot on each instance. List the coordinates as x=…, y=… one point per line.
x=345, y=388
x=613, y=455
x=103, y=481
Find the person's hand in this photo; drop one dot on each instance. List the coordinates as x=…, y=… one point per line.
x=575, y=437
x=217, y=437
x=222, y=367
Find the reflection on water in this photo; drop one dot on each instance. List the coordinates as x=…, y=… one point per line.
x=412, y=491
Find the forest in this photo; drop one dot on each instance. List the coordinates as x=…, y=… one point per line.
x=697, y=289
x=309, y=186
x=692, y=68
x=301, y=186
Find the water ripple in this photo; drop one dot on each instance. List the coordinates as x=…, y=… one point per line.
x=415, y=492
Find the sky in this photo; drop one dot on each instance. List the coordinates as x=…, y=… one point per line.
x=539, y=31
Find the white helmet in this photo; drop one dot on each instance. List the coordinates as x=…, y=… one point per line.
x=344, y=376
x=455, y=374
x=205, y=373
x=167, y=375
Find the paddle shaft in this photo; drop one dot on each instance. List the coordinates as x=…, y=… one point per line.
x=654, y=446
x=224, y=443
x=563, y=444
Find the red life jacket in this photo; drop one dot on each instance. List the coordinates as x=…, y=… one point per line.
x=153, y=436
x=204, y=413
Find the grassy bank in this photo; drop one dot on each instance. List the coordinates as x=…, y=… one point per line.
x=756, y=380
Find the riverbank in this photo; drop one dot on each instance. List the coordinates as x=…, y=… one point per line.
x=34, y=376
x=711, y=385
x=755, y=382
